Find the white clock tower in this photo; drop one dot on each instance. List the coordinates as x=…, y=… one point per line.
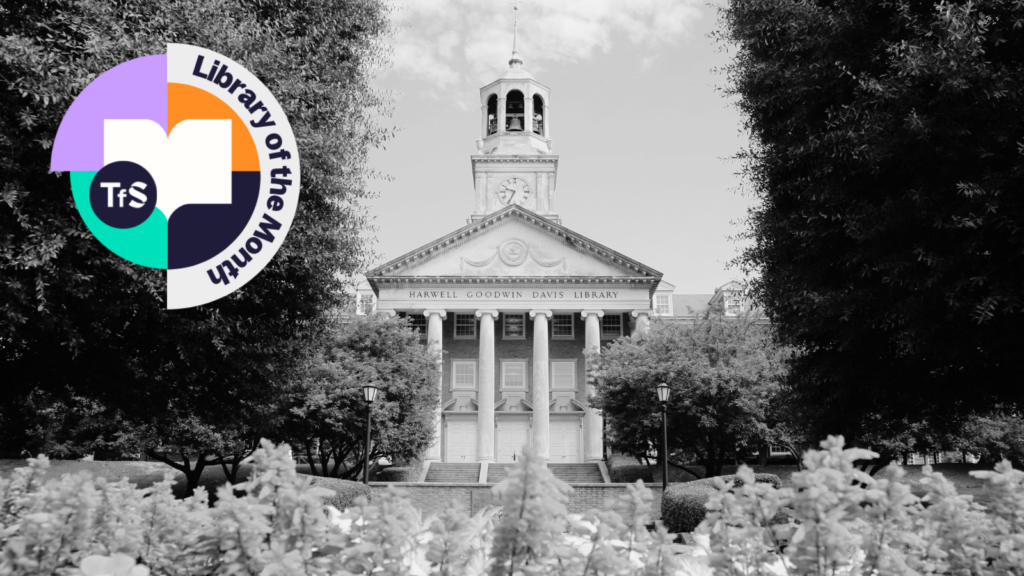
x=514, y=164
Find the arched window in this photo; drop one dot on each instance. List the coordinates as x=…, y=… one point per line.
x=492, y=114
x=514, y=110
x=538, y=114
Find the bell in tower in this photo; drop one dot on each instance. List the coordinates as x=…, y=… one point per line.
x=514, y=163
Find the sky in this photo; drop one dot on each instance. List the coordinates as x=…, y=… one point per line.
x=643, y=135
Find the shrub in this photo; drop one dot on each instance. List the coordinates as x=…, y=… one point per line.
x=275, y=523
x=631, y=473
x=399, y=474
x=853, y=523
x=683, y=506
x=345, y=491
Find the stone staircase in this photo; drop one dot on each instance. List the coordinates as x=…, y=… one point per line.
x=448, y=473
x=577, y=473
x=497, y=472
x=571, y=473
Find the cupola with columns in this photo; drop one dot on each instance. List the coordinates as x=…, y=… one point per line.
x=514, y=164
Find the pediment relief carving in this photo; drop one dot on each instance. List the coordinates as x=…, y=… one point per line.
x=511, y=255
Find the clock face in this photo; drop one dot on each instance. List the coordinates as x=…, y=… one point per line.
x=514, y=191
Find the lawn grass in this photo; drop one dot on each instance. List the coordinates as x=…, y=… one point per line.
x=142, y=474
x=959, y=474
x=145, y=474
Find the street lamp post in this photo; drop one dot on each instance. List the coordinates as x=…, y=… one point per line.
x=663, y=391
x=369, y=394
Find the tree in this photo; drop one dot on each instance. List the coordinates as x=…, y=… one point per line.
x=724, y=373
x=886, y=161
x=327, y=410
x=79, y=320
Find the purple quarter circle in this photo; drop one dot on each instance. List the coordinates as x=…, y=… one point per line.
x=134, y=90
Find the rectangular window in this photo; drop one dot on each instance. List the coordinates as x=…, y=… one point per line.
x=562, y=327
x=661, y=304
x=463, y=375
x=611, y=326
x=513, y=326
x=465, y=326
x=563, y=374
x=733, y=306
x=418, y=323
x=513, y=374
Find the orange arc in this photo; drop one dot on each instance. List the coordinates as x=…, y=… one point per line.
x=186, y=102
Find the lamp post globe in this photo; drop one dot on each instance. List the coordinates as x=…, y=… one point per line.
x=369, y=394
x=663, y=392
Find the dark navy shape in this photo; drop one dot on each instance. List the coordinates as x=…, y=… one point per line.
x=198, y=232
x=122, y=194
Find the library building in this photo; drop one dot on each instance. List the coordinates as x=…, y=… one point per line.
x=512, y=299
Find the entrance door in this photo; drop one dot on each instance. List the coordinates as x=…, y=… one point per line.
x=513, y=436
x=461, y=441
x=565, y=441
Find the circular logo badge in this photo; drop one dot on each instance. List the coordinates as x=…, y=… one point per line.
x=513, y=252
x=183, y=162
x=122, y=194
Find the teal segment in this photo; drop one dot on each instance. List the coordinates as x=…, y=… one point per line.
x=145, y=244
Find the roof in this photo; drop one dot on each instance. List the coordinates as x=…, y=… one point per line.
x=689, y=304
x=633, y=269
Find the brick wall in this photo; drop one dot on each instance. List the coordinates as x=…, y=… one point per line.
x=433, y=498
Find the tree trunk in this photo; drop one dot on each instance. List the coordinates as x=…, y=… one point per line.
x=762, y=455
x=338, y=461
x=233, y=465
x=686, y=469
x=309, y=458
x=882, y=462
x=192, y=474
x=325, y=456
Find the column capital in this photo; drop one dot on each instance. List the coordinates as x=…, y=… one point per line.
x=441, y=313
x=636, y=313
x=493, y=313
x=585, y=313
x=534, y=313
x=391, y=313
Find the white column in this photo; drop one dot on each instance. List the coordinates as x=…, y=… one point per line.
x=547, y=119
x=481, y=193
x=485, y=387
x=593, y=423
x=528, y=113
x=552, y=183
x=541, y=397
x=501, y=115
x=434, y=318
x=542, y=194
x=483, y=121
x=642, y=324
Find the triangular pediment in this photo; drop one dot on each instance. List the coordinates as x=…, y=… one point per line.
x=514, y=243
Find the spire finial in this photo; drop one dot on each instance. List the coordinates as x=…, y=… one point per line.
x=516, y=61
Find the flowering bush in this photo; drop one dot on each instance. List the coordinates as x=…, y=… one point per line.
x=276, y=524
x=847, y=522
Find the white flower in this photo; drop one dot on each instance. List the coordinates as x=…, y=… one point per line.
x=113, y=565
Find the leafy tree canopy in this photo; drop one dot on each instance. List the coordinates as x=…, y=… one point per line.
x=724, y=374
x=327, y=409
x=886, y=159
x=77, y=320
